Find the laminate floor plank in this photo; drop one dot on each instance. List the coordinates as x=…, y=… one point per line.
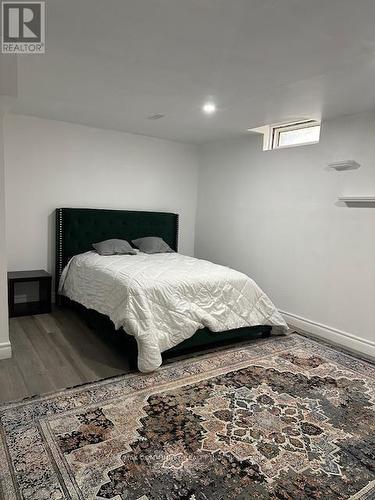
x=59, y=364
x=68, y=360
x=29, y=361
x=55, y=351
x=12, y=386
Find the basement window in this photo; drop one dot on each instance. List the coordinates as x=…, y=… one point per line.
x=295, y=134
x=288, y=135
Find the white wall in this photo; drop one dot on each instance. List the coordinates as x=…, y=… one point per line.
x=274, y=216
x=53, y=164
x=5, y=350
x=8, y=92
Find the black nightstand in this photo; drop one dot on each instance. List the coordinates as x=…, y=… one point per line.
x=43, y=279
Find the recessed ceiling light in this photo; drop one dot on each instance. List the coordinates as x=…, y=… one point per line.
x=209, y=108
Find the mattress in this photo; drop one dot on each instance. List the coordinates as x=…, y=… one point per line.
x=163, y=299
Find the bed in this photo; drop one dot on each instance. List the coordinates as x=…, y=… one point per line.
x=165, y=301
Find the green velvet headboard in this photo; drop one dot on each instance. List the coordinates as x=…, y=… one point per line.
x=78, y=228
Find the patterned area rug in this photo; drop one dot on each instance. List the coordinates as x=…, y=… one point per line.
x=283, y=418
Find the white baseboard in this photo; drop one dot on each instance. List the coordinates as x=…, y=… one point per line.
x=5, y=350
x=324, y=332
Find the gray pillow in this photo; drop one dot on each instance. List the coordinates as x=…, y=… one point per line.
x=152, y=244
x=114, y=247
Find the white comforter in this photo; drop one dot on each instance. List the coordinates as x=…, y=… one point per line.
x=163, y=299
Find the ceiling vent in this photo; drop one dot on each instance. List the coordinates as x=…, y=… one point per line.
x=157, y=116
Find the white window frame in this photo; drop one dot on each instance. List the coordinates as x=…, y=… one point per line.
x=278, y=129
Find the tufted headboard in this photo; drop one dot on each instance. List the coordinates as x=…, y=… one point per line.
x=78, y=228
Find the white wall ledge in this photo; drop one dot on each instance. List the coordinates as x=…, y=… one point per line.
x=357, y=199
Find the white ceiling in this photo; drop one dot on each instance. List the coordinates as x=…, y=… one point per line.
x=113, y=63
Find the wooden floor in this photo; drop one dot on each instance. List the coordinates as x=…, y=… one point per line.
x=55, y=351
